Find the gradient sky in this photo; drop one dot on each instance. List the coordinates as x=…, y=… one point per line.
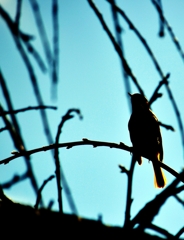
x=90, y=79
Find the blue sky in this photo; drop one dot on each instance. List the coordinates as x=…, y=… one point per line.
x=90, y=79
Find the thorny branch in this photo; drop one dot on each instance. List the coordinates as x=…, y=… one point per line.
x=84, y=142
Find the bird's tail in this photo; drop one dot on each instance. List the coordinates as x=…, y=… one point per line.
x=159, y=177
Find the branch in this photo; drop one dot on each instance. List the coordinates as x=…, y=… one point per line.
x=42, y=32
x=40, y=190
x=161, y=30
x=123, y=169
x=160, y=230
x=68, y=145
x=129, y=195
x=26, y=38
x=85, y=142
x=146, y=215
x=118, y=31
x=180, y=232
x=30, y=70
x=169, y=28
x=179, y=199
x=141, y=38
x=18, y=13
x=15, y=179
x=116, y=46
x=65, y=118
x=15, y=132
x=156, y=94
x=3, y=129
x=55, y=61
x=27, y=109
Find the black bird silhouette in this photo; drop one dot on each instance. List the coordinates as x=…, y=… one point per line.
x=146, y=137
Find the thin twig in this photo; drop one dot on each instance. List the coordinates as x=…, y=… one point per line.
x=65, y=118
x=123, y=169
x=3, y=129
x=18, y=13
x=26, y=38
x=15, y=179
x=55, y=20
x=141, y=38
x=31, y=73
x=27, y=109
x=129, y=199
x=169, y=28
x=155, y=93
x=161, y=30
x=40, y=190
x=179, y=199
x=31, y=49
x=160, y=230
x=116, y=46
x=146, y=215
x=42, y=32
x=179, y=232
x=118, y=31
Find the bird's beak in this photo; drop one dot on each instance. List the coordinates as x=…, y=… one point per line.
x=130, y=94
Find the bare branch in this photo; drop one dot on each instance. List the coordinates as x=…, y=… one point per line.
x=155, y=94
x=141, y=38
x=146, y=215
x=55, y=68
x=118, y=31
x=42, y=32
x=40, y=190
x=15, y=179
x=86, y=141
x=169, y=28
x=3, y=129
x=27, y=109
x=116, y=46
x=18, y=13
x=123, y=169
x=180, y=232
x=129, y=199
x=179, y=199
x=160, y=230
x=65, y=118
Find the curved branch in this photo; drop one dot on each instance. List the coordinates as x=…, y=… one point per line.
x=86, y=141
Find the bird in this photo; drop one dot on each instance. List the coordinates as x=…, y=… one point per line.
x=145, y=136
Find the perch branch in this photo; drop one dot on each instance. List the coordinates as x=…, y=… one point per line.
x=84, y=142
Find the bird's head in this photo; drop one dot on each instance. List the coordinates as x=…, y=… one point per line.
x=138, y=102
